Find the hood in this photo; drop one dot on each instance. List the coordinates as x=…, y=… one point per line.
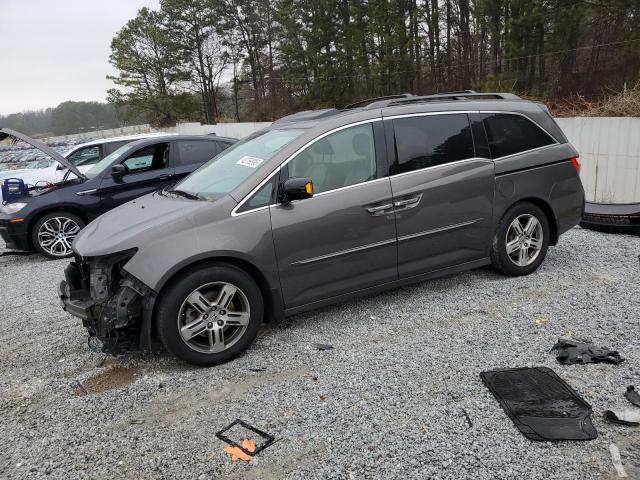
x=8, y=133
x=141, y=221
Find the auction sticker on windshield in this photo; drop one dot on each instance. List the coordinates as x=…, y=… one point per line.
x=252, y=162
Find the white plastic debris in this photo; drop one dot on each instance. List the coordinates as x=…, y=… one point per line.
x=617, y=461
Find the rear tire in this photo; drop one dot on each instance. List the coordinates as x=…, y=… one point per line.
x=54, y=233
x=521, y=240
x=210, y=315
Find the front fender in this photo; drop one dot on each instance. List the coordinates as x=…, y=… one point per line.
x=246, y=238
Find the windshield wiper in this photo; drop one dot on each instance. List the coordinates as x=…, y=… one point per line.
x=182, y=193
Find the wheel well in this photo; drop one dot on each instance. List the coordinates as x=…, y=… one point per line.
x=548, y=211
x=271, y=304
x=34, y=220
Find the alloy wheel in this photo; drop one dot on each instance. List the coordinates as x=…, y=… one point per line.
x=56, y=235
x=524, y=240
x=214, y=317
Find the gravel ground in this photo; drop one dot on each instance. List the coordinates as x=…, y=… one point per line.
x=388, y=401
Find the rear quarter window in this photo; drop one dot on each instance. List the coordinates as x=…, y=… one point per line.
x=197, y=151
x=509, y=134
x=111, y=147
x=431, y=140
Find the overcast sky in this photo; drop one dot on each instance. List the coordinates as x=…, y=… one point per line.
x=57, y=50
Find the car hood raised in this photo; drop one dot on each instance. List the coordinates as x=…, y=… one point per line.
x=141, y=221
x=8, y=133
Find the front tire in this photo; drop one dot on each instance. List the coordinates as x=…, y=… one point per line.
x=521, y=240
x=54, y=233
x=210, y=315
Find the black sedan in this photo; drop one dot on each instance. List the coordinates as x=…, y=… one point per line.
x=48, y=218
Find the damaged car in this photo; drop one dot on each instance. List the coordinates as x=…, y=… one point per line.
x=48, y=217
x=321, y=207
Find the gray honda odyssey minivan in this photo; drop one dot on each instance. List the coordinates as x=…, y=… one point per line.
x=323, y=206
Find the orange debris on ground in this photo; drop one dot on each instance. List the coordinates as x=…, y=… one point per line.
x=237, y=454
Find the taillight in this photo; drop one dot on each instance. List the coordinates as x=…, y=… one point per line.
x=576, y=164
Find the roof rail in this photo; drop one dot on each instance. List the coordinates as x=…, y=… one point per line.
x=455, y=96
x=455, y=92
x=364, y=103
x=307, y=115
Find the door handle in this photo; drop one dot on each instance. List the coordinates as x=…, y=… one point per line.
x=396, y=206
x=380, y=209
x=165, y=176
x=408, y=203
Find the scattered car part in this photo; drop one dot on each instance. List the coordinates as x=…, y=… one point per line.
x=625, y=417
x=467, y=418
x=617, y=460
x=323, y=346
x=632, y=395
x=268, y=439
x=238, y=453
x=612, y=217
x=571, y=352
x=540, y=404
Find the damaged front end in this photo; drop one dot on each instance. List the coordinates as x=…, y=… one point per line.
x=114, y=306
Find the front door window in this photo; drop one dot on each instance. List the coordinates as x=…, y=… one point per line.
x=154, y=157
x=344, y=158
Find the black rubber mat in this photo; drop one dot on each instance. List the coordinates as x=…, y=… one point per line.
x=540, y=404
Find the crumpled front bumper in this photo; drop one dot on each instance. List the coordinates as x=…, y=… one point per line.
x=122, y=314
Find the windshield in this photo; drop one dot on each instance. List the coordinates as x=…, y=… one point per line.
x=227, y=170
x=99, y=167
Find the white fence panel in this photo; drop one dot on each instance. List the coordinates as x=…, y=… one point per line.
x=235, y=130
x=610, y=156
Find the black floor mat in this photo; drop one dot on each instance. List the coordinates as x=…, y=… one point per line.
x=541, y=404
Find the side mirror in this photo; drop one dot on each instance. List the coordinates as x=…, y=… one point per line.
x=296, y=189
x=61, y=167
x=118, y=171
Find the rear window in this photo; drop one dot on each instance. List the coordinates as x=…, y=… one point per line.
x=432, y=140
x=509, y=134
x=195, y=152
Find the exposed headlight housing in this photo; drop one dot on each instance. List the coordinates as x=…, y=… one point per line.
x=9, y=208
x=105, y=273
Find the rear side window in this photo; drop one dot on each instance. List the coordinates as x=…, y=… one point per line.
x=431, y=140
x=194, y=151
x=111, y=147
x=85, y=156
x=509, y=134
